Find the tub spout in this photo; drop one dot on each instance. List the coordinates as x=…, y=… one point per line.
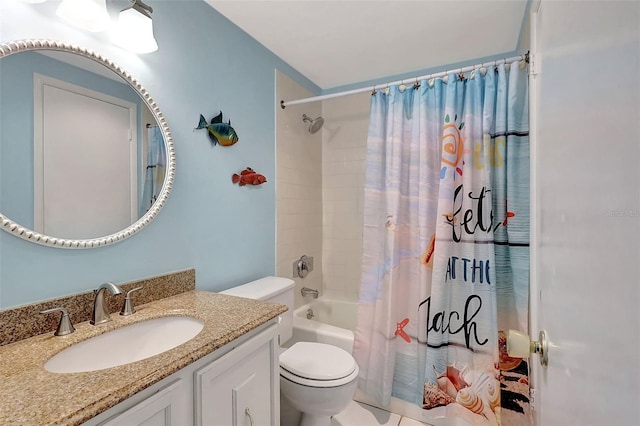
x=306, y=291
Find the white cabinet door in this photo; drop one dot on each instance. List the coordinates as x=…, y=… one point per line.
x=241, y=388
x=167, y=407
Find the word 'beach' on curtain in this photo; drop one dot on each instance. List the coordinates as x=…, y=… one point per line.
x=445, y=265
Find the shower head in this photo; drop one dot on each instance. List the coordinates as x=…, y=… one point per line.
x=316, y=124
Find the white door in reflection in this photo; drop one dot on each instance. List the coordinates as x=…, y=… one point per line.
x=85, y=179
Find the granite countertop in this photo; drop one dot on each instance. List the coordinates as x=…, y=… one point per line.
x=32, y=395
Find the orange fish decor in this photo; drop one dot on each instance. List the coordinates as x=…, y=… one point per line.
x=248, y=177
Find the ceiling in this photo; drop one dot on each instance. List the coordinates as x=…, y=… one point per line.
x=341, y=42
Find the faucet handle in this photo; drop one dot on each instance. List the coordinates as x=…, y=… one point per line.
x=64, y=326
x=127, y=306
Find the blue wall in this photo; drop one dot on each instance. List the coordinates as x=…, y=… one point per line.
x=204, y=64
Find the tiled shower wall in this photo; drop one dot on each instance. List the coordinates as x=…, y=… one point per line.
x=298, y=187
x=319, y=190
x=344, y=145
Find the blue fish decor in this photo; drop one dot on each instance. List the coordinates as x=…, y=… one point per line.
x=219, y=132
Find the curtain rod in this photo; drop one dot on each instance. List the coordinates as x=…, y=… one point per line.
x=525, y=57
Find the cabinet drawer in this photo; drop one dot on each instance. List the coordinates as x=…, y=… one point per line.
x=242, y=387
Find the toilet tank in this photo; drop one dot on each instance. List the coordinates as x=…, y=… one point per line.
x=271, y=289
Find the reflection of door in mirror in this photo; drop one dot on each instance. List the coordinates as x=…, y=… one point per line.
x=144, y=166
x=85, y=160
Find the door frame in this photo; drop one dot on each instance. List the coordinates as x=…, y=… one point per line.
x=534, y=213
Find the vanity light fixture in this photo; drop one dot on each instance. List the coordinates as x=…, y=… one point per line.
x=134, y=29
x=34, y=1
x=90, y=15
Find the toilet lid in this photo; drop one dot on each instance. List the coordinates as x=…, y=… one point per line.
x=318, y=361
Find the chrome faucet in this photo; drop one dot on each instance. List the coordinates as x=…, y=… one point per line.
x=100, y=312
x=306, y=291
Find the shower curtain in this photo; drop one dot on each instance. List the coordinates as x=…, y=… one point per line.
x=445, y=246
x=154, y=174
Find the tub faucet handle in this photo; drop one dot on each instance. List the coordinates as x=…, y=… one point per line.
x=302, y=266
x=127, y=306
x=64, y=326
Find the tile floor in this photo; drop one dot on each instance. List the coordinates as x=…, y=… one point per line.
x=358, y=414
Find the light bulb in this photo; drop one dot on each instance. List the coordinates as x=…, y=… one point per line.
x=134, y=32
x=90, y=15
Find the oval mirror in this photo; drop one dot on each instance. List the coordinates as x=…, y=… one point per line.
x=86, y=157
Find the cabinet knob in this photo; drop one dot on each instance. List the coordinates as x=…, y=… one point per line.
x=247, y=412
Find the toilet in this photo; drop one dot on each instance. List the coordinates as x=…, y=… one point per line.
x=316, y=379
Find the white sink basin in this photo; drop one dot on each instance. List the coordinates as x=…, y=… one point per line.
x=125, y=345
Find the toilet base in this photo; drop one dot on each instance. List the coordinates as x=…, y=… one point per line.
x=316, y=405
x=311, y=420
x=289, y=415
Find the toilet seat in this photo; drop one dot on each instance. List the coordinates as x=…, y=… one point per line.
x=318, y=365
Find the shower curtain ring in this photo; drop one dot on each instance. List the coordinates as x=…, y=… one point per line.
x=416, y=85
x=373, y=92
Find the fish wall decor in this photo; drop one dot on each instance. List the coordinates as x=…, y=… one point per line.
x=219, y=132
x=248, y=177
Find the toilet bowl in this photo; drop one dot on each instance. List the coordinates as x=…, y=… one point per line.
x=317, y=380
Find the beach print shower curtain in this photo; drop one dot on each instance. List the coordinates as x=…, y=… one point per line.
x=445, y=263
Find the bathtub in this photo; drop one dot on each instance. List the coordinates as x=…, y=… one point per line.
x=333, y=322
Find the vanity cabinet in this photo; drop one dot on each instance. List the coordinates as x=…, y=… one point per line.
x=237, y=389
x=237, y=384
